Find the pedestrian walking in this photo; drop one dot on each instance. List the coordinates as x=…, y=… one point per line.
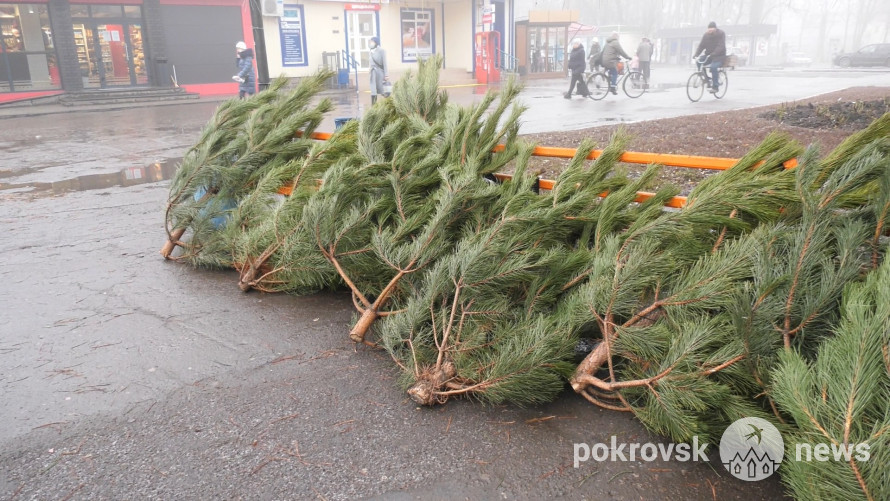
x=644, y=53
x=379, y=70
x=595, y=59
x=245, y=77
x=577, y=65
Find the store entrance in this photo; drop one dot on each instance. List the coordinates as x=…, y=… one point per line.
x=360, y=27
x=110, y=53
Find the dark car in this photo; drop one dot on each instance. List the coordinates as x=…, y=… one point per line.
x=871, y=55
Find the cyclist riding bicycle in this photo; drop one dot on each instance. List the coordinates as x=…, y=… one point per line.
x=612, y=54
x=713, y=44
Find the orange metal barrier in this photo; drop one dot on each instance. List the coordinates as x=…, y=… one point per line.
x=631, y=157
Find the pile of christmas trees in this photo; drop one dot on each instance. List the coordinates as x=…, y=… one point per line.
x=766, y=295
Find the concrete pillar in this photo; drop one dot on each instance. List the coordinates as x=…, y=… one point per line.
x=66, y=51
x=156, y=48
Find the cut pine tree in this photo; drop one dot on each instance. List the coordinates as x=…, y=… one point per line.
x=243, y=141
x=380, y=236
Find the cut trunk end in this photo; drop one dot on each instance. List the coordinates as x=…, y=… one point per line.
x=247, y=279
x=363, y=325
x=591, y=364
x=170, y=244
x=426, y=390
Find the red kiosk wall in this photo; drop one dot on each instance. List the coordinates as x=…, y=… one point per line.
x=487, y=57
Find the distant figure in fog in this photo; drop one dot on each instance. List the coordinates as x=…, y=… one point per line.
x=595, y=59
x=245, y=77
x=644, y=53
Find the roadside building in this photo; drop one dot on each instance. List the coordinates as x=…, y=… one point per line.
x=54, y=46
x=750, y=43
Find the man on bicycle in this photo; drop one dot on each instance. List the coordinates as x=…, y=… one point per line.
x=612, y=54
x=713, y=44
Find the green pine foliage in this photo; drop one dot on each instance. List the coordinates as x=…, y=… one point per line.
x=385, y=231
x=271, y=249
x=841, y=398
x=656, y=293
x=802, y=264
x=242, y=142
x=479, y=324
x=766, y=295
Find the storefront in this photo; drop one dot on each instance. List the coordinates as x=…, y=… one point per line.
x=752, y=41
x=304, y=37
x=54, y=46
x=109, y=44
x=88, y=45
x=541, y=42
x=27, y=55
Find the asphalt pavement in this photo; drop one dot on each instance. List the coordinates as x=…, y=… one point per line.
x=127, y=376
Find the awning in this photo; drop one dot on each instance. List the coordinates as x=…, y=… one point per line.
x=581, y=30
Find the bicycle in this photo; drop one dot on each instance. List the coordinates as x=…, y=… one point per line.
x=701, y=79
x=631, y=81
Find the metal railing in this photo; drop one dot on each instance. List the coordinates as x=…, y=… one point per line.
x=508, y=62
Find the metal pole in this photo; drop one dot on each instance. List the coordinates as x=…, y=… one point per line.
x=259, y=41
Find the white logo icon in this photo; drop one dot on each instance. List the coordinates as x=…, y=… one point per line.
x=751, y=449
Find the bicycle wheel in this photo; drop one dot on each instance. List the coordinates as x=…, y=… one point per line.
x=695, y=87
x=598, y=86
x=634, y=84
x=724, y=84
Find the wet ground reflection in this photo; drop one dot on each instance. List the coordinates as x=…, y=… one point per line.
x=130, y=176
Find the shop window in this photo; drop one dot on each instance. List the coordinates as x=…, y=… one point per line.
x=106, y=11
x=78, y=10
x=134, y=11
x=417, y=34
x=27, y=57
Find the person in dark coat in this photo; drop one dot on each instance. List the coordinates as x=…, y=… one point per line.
x=595, y=57
x=713, y=44
x=612, y=54
x=577, y=65
x=245, y=77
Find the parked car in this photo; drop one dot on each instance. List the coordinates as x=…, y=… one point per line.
x=735, y=57
x=798, y=59
x=871, y=55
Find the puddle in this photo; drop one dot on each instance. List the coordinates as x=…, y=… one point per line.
x=131, y=176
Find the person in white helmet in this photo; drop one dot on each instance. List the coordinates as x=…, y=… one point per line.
x=245, y=77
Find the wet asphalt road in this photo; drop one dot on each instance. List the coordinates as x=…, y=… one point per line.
x=125, y=376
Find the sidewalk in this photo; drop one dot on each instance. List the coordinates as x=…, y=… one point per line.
x=50, y=106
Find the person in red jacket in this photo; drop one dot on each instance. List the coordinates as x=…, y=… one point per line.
x=713, y=44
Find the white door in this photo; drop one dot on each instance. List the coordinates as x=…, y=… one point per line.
x=360, y=27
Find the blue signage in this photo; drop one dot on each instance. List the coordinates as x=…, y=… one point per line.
x=293, y=37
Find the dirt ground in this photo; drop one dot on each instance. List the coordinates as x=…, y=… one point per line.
x=825, y=120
